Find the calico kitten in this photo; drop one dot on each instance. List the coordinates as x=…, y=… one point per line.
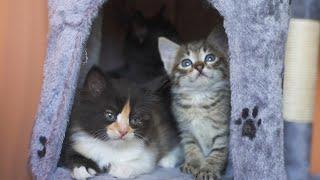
x=201, y=101
x=141, y=55
x=117, y=127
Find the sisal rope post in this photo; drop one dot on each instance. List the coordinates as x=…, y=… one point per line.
x=301, y=62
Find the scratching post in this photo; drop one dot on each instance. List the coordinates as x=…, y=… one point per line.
x=300, y=75
x=70, y=23
x=299, y=93
x=256, y=29
x=257, y=32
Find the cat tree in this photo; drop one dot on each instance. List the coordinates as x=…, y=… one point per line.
x=257, y=31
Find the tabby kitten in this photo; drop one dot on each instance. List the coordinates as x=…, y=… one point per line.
x=201, y=101
x=117, y=127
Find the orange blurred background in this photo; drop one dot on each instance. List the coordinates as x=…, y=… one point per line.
x=315, y=142
x=23, y=31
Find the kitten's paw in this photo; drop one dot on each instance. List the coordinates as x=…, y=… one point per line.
x=207, y=174
x=82, y=172
x=172, y=159
x=190, y=168
x=168, y=162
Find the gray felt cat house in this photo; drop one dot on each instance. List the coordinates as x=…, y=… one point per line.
x=257, y=31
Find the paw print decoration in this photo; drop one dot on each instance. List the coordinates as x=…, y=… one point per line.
x=250, y=123
x=43, y=142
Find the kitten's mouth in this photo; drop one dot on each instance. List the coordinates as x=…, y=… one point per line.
x=121, y=138
x=118, y=139
x=201, y=74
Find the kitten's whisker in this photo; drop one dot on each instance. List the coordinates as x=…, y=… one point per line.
x=100, y=134
x=139, y=136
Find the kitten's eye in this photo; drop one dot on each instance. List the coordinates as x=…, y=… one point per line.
x=135, y=121
x=210, y=58
x=109, y=115
x=186, y=63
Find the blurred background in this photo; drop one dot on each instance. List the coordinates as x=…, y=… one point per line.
x=23, y=31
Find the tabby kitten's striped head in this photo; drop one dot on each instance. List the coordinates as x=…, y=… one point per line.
x=195, y=64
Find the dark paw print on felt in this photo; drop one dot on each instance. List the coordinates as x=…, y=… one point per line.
x=250, y=122
x=43, y=141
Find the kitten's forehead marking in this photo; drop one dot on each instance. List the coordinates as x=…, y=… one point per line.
x=123, y=116
x=203, y=53
x=190, y=54
x=126, y=109
x=122, y=122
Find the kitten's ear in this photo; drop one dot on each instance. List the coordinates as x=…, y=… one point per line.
x=95, y=82
x=168, y=51
x=218, y=38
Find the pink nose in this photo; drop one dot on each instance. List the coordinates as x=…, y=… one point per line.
x=123, y=133
x=199, y=67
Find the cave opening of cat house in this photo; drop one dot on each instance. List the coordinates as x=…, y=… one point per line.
x=150, y=69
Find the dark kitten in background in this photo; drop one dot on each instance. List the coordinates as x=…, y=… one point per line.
x=118, y=127
x=142, y=58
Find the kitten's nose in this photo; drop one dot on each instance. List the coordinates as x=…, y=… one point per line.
x=123, y=133
x=199, y=67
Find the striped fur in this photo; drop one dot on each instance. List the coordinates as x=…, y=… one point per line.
x=201, y=105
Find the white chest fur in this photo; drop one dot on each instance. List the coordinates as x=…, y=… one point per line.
x=127, y=159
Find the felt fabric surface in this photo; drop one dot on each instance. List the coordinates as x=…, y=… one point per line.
x=257, y=32
x=157, y=174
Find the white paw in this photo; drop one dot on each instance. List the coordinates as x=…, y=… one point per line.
x=172, y=158
x=92, y=171
x=168, y=162
x=82, y=173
